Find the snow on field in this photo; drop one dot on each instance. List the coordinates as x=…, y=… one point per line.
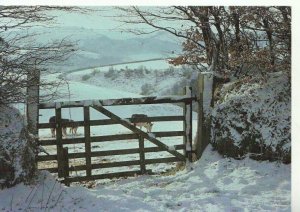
x=156, y=64
x=132, y=77
x=144, y=78
x=212, y=184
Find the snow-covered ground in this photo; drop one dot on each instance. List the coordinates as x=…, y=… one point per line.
x=212, y=184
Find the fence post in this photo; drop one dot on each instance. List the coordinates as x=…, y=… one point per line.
x=66, y=166
x=87, y=135
x=200, y=143
x=32, y=101
x=188, y=124
x=142, y=155
x=59, y=145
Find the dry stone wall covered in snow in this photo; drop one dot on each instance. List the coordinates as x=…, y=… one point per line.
x=17, y=149
x=253, y=117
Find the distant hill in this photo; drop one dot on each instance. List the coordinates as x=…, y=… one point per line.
x=96, y=48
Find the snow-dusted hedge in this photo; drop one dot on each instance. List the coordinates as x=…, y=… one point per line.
x=253, y=117
x=17, y=149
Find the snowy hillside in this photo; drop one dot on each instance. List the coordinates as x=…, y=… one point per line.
x=137, y=78
x=153, y=78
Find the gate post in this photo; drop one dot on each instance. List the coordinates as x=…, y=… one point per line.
x=201, y=139
x=188, y=124
x=32, y=101
x=59, y=146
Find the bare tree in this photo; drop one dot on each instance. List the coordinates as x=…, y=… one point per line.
x=226, y=39
x=21, y=55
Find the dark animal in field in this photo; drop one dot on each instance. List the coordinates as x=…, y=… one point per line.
x=147, y=125
x=72, y=125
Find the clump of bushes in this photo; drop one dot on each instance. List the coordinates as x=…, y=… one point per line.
x=95, y=72
x=147, y=89
x=86, y=77
x=112, y=73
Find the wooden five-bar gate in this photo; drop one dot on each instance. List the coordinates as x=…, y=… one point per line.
x=63, y=156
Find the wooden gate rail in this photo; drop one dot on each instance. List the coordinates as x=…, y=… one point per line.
x=124, y=101
x=105, y=138
x=102, y=176
x=125, y=163
x=148, y=136
x=108, y=153
x=117, y=164
x=63, y=156
x=110, y=121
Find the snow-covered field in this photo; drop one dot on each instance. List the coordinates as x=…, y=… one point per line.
x=212, y=184
x=132, y=77
x=155, y=64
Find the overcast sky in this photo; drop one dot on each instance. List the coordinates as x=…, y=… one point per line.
x=103, y=20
